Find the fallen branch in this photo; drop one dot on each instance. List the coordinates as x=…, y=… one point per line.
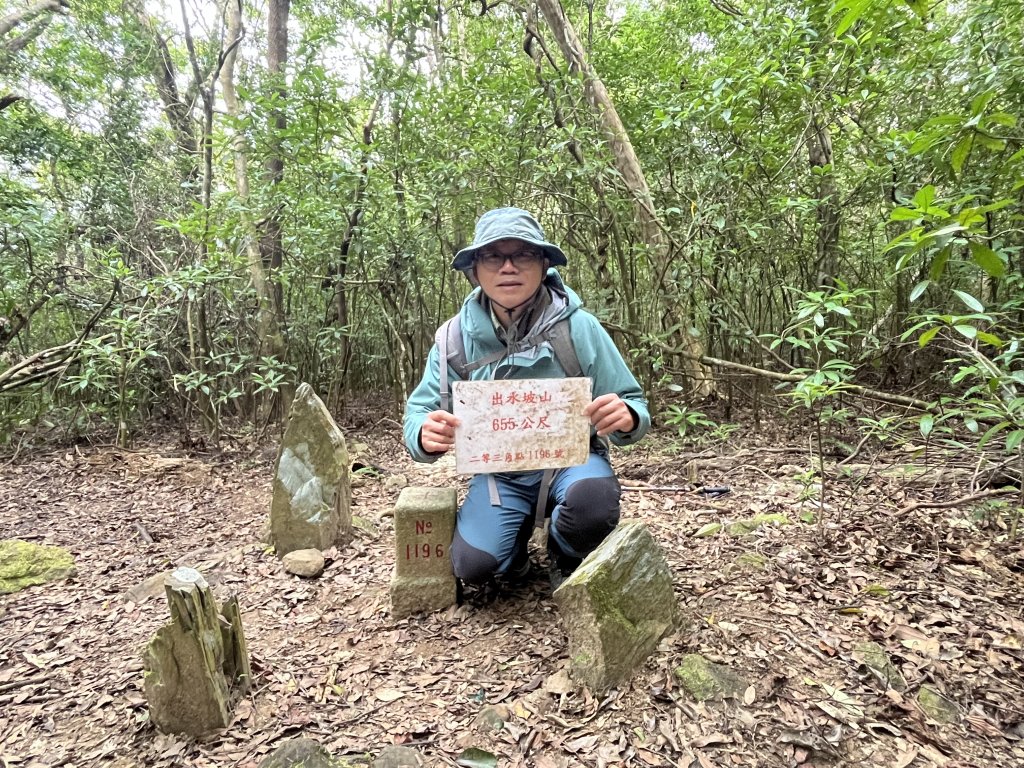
x=55, y=360
x=885, y=397
x=14, y=684
x=957, y=502
x=657, y=488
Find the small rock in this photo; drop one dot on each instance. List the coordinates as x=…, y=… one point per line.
x=937, y=706
x=301, y=753
x=398, y=757
x=396, y=482
x=308, y=563
x=491, y=718
x=559, y=683
x=311, y=502
x=706, y=680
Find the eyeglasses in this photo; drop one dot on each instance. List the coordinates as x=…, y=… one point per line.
x=519, y=259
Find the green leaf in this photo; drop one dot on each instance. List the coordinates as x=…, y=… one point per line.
x=928, y=335
x=926, y=424
x=987, y=259
x=972, y=303
x=904, y=214
x=961, y=151
x=966, y=330
x=990, y=338
x=920, y=288
x=1014, y=439
x=939, y=265
x=920, y=7
x=924, y=197
x=476, y=758
x=855, y=9
x=991, y=432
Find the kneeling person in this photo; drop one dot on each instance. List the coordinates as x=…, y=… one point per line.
x=506, y=325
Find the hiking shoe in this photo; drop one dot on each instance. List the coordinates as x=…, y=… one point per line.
x=519, y=568
x=560, y=565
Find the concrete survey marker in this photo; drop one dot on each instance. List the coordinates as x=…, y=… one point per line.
x=515, y=425
x=424, y=524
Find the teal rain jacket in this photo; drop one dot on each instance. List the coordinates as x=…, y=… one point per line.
x=599, y=358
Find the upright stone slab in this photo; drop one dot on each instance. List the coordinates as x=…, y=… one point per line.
x=194, y=665
x=423, y=581
x=616, y=607
x=311, y=504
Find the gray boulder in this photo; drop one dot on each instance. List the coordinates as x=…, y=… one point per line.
x=616, y=606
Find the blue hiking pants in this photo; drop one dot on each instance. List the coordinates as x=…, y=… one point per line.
x=584, y=504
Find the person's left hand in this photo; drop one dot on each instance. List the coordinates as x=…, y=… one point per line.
x=609, y=413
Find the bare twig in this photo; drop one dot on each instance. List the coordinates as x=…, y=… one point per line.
x=957, y=502
x=14, y=684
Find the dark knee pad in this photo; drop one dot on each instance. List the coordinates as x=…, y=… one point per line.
x=472, y=565
x=589, y=512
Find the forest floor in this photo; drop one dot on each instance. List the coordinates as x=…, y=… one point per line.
x=940, y=591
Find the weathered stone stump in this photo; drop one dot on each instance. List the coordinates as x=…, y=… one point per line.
x=195, y=664
x=616, y=606
x=423, y=581
x=312, y=496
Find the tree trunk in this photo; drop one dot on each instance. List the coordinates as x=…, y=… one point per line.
x=177, y=108
x=271, y=244
x=628, y=165
x=819, y=149
x=265, y=318
x=598, y=260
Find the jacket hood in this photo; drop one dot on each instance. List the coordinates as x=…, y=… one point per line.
x=476, y=318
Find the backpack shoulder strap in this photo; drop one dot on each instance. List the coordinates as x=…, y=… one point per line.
x=560, y=339
x=451, y=351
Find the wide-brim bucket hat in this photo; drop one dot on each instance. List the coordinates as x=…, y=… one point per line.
x=508, y=224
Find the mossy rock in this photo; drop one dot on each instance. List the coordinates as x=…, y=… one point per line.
x=752, y=561
x=937, y=706
x=23, y=564
x=705, y=680
x=744, y=527
x=874, y=657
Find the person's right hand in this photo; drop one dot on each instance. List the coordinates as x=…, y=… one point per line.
x=437, y=435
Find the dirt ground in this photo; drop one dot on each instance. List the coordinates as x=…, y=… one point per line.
x=787, y=608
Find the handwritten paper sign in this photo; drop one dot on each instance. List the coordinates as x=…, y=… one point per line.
x=515, y=425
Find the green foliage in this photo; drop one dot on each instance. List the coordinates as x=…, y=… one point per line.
x=696, y=427
x=792, y=152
